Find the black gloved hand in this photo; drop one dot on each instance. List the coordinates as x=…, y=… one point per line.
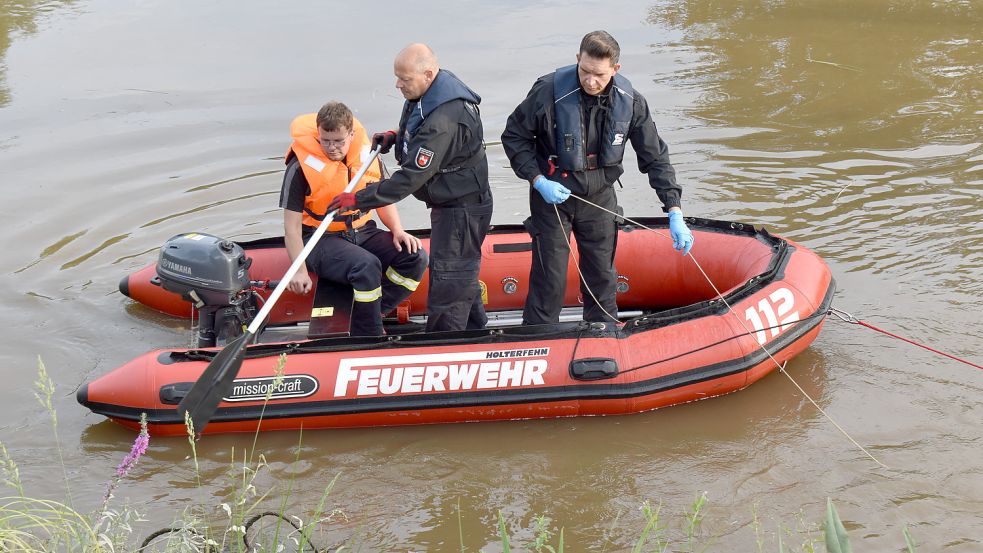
x=385, y=140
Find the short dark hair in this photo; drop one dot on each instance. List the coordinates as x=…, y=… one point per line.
x=334, y=116
x=601, y=45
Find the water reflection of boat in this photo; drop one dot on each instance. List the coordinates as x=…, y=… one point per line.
x=677, y=341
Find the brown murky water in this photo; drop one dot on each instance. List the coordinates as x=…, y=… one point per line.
x=852, y=127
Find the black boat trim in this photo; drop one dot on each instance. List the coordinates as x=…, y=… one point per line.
x=512, y=247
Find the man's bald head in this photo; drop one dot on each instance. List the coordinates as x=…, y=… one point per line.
x=415, y=68
x=417, y=57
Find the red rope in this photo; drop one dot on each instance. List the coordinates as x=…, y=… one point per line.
x=872, y=327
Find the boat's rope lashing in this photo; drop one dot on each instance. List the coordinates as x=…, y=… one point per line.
x=848, y=318
x=720, y=296
x=714, y=344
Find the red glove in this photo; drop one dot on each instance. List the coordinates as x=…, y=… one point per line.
x=385, y=140
x=343, y=202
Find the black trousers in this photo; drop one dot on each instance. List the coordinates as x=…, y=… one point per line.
x=454, y=301
x=380, y=275
x=596, y=232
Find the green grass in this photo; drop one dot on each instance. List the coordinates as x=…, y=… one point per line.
x=41, y=526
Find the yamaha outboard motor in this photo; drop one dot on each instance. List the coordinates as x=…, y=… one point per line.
x=213, y=274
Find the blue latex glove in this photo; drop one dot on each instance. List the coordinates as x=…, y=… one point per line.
x=551, y=191
x=682, y=238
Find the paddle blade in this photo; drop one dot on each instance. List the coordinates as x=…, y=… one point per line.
x=214, y=383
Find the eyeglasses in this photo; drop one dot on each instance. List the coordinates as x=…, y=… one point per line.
x=340, y=143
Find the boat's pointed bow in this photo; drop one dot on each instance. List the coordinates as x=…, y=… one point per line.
x=125, y=392
x=124, y=286
x=82, y=395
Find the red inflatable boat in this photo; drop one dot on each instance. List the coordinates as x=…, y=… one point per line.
x=677, y=340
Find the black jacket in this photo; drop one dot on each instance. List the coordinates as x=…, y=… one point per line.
x=529, y=141
x=443, y=160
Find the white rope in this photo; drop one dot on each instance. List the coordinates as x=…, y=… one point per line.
x=566, y=239
x=781, y=367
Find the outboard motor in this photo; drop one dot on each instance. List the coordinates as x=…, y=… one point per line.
x=213, y=274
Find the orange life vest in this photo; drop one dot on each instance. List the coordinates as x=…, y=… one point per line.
x=329, y=178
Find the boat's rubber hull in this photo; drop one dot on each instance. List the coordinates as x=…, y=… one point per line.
x=700, y=350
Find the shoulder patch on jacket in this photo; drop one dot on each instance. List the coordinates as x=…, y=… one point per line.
x=423, y=157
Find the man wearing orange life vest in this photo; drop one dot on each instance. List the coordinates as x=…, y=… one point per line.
x=328, y=149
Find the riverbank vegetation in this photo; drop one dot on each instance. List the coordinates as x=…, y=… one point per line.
x=242, y=521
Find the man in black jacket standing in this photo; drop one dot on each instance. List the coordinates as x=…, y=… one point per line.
x=441, y=153
x=568, y=136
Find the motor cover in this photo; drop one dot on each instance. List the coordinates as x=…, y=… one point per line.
x=214, y=268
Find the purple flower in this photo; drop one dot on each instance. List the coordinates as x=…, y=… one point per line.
x=139, y=448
